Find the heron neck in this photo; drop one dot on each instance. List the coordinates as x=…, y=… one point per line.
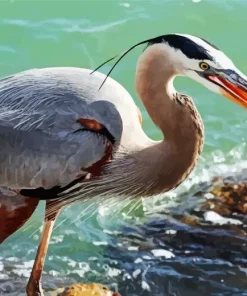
x=154, y=85
x=170, y=161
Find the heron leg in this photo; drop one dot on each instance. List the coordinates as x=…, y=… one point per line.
x=34, y=284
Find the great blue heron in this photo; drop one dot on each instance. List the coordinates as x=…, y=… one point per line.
x=58, y=130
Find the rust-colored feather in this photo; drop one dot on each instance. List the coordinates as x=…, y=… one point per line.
x=14, y=212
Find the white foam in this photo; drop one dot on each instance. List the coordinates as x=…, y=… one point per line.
x=215, y=218
x=208, y=195
x=4, y=276
x=171, y=231
x=132, y=248
x=147, y=257
x=138, y=260
x=112, y=272
x=162, y=253
x=136, y=273
x=145, y=286
x=100, y=243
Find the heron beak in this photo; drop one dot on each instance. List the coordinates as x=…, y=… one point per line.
x=232, y=84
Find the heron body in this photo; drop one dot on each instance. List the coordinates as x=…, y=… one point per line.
x=59, y=128
x=44, y=142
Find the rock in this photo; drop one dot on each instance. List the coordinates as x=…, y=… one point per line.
x=54, y=293
x=230, y=198
x=93, y=289
x=190, y=220
x=223, y=200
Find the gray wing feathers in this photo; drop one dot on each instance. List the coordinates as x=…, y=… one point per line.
x=38, y=113
x=28, y=161
x=44, y=100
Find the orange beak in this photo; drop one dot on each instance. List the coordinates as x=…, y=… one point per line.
x=235, y=91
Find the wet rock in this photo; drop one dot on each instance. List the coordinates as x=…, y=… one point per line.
x=53, y=293
x=80, y=289
x=190, y=220
x=226, y=197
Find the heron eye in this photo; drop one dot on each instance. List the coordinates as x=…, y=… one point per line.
x=204, y=66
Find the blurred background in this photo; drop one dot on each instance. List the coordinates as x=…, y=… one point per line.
x=143, y=247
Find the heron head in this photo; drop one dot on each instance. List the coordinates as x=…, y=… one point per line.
x=200, y=60
x=205, y=63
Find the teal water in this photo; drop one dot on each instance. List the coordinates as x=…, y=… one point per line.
x=43, y=33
